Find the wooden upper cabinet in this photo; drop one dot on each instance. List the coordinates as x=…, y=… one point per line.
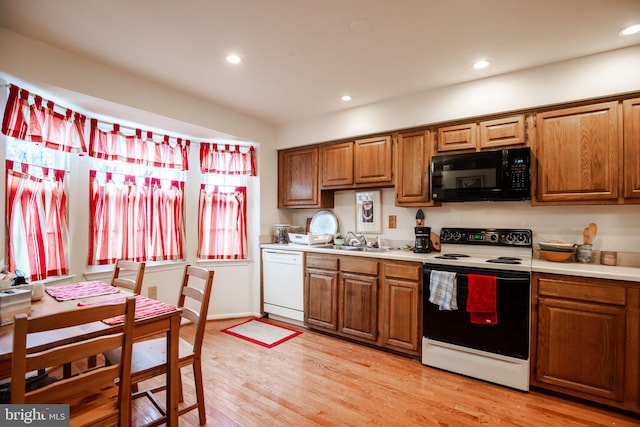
x=488, y=134
x=337, y=164
x=577, y=152
x=458, y=137
x=298, y=180
x=631, y=174
x=373, y=160
x=363, y=162
x=413, y=158
x=507, y=131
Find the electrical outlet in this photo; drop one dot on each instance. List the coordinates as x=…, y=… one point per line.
x=153, y=292
x=392, y=221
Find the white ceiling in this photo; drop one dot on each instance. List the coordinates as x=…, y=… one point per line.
x=299, y=56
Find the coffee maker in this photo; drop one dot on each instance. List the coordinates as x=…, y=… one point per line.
x=423, y=240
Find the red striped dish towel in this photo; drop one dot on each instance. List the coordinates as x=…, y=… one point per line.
x=145, y=307
x=81, y=290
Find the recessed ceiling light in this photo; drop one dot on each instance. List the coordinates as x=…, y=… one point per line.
x=630, y=29
x=232, y=58
x=345, y=98
x=483, y=63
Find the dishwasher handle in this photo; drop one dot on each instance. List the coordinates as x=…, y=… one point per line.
x=282, y=257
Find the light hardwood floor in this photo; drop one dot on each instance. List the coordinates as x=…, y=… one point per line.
x=317, y=380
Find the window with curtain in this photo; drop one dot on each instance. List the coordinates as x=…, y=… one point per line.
x=40, y=133
x=222, y=208
x=136, y=194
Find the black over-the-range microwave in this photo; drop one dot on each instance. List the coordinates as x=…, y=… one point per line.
x=486, y=175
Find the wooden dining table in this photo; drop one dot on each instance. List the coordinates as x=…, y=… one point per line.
x=167, y=322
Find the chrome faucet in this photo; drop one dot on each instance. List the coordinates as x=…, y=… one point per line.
x=353, y=239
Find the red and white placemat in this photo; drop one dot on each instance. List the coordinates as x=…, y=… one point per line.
x=81, y=290
x=145, y=307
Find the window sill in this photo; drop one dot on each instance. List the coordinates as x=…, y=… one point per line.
x=104, y=272
x=57, y=280
x=222, y=262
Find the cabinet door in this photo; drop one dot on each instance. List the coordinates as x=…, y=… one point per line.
x=373, y=161
x=400, y=325
x=337, y=164
x=413, y=157
x=321, y=298
x=358, y=306
x=580, y=347
x=507, y=131
x=632, y=148
x=298, y=186
x=577, y=151
x=458, y=137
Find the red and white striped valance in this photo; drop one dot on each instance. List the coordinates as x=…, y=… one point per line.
x=33, y=119
x=138, y=148
x=227, y=159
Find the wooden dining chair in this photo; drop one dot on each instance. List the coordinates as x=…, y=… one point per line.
x=99, y=396
x=136, y=270
x=132, y=284
x=149, y=357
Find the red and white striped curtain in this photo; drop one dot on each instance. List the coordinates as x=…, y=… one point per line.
x=32, y=119
x=222, y=210
x=138, y=147
x=135, y=218
x=37, y=220
x=222, y=222
x=227, y=160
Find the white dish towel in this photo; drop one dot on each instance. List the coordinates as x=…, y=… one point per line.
x=443, y=290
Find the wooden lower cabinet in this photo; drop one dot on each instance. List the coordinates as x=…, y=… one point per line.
x=358, y=298
x=365, y=299
x=585, y=338
x=321, y=292
x=402, y=306
x=359, y=306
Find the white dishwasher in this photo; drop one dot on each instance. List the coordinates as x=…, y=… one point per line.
x=283, y=282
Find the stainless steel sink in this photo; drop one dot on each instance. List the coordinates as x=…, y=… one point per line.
x=376, y=249
x=359, y=248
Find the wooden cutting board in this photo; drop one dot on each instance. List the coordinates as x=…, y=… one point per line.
x=435, y=242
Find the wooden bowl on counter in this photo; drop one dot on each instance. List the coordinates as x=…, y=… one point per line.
x=556, y=256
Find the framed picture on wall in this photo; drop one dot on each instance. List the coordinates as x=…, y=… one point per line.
x=369, y=212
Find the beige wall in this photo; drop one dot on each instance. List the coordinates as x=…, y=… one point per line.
x=583, y=78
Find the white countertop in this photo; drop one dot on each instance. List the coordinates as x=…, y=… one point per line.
x=570, y=268
x=597, y=271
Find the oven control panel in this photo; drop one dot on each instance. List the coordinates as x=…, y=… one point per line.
x=487, y=236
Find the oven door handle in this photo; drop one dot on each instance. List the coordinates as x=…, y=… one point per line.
x=511, y=279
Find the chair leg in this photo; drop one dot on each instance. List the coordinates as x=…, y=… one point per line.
x=180, y=394
x=197, y=378
x=92, y=361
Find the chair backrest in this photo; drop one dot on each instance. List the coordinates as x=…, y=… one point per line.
x=132, y=284
x=192, y=296
x=67, y=350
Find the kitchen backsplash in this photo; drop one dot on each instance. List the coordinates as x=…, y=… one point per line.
x=618, y=226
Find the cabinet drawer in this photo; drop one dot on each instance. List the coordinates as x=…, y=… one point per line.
x=359, y=265
x=323, y=262
x=595, y=291
x=409, y=271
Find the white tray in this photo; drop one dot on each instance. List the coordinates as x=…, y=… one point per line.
x=310, y=239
